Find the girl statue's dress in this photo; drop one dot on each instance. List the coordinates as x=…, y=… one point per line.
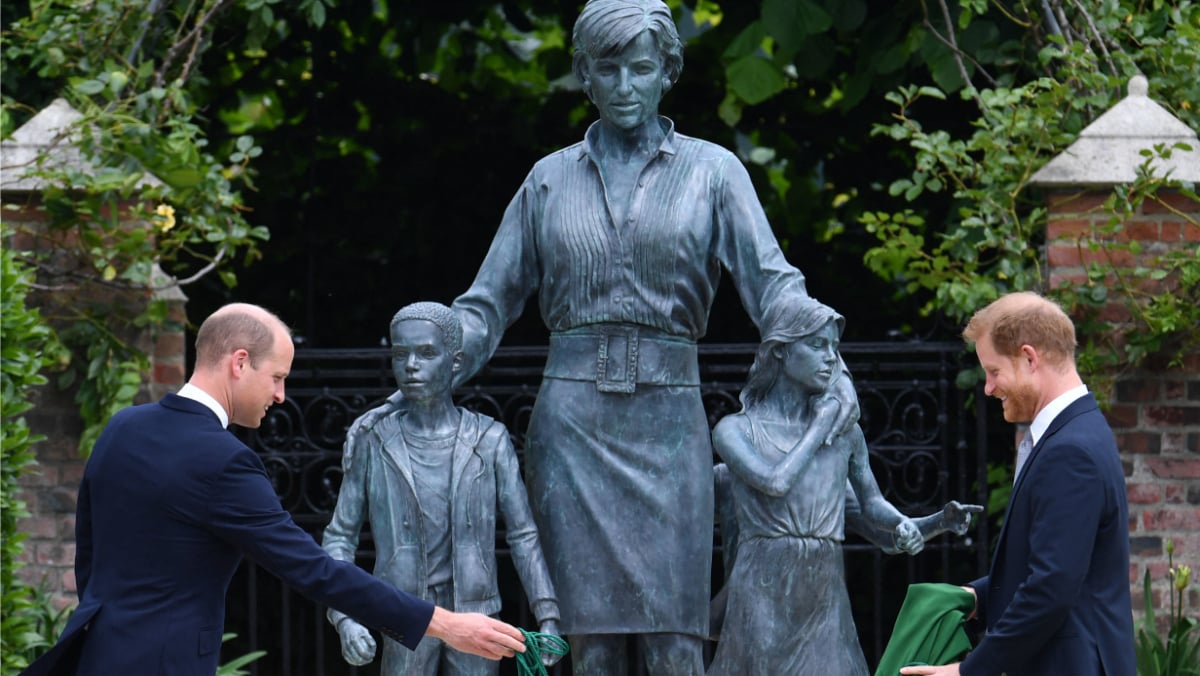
x=787, y=609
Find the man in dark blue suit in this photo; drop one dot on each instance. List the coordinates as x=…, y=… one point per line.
x=1056, y=600
x=170, y=503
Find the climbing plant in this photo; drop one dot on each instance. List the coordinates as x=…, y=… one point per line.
x=147, y=191
x=987, y=242
x=27, y=348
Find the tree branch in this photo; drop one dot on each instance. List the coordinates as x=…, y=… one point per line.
x=190, y=42
x=1099, y=39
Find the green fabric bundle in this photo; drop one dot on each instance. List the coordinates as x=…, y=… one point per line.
x=929, y=629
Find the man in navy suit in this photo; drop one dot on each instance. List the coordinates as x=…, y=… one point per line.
x=170, y=503
x=1056, y=600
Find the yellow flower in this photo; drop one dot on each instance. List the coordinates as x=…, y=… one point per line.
x=165, y=217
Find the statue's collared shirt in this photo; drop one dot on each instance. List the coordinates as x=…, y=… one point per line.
x=692, y=211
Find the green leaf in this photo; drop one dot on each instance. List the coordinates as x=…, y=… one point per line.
x=90, y=87
x=707, y=12
x=316, y=14
x=747, y=42
x=117, y=81
x=755, y=79
x=182, y=177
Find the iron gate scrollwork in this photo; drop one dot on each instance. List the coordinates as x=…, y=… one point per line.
x=926, y=447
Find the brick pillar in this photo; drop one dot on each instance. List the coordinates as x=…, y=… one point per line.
x=1155, y=410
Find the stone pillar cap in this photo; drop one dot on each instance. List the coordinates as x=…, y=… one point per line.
x=1109, y=150
x=48, y=136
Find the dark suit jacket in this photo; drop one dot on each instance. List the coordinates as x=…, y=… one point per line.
x=1056, y=600
x=170, y=502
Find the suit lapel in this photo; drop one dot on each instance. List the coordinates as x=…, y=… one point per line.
x=1076, y=408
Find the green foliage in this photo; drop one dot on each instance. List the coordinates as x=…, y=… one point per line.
x=234, y=667
x=109, y=372
x=1159, y=293
x=41, y=626
x=999, y=489
x=1177, y=654
x=27, y=347
x=987, y=245
x=151, y=192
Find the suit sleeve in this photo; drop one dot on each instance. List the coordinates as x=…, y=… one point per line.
x=1064, y=516
x=246, y=513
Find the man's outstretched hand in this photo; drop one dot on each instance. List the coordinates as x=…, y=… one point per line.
x=476, y=633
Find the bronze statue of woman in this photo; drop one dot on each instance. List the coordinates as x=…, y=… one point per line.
x=622, y=238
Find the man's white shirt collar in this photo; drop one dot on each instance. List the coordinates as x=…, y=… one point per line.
x=1041, y=422
x=190, y=391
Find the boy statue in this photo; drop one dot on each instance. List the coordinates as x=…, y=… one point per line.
x=429, y=477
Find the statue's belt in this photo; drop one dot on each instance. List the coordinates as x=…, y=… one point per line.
x=619, y=357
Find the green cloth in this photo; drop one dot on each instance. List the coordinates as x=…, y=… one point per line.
x=929, y=628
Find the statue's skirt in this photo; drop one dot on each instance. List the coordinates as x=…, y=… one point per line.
x=621, y=487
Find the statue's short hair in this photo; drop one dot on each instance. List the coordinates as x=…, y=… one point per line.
x=605, y=27
x=441, y=316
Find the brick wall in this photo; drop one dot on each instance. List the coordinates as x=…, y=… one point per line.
x=50, y=491
x=1155, y=410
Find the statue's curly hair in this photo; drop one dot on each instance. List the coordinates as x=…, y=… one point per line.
x=441, y=316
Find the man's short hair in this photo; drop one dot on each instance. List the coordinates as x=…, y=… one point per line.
x=1025, y=318
x=441, y=316
x=236, y=326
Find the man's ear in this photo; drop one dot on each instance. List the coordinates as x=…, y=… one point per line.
x=456, y=364
x=1030, y=355
x=238, y=361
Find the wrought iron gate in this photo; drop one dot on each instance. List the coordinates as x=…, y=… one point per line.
x=927, y=440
